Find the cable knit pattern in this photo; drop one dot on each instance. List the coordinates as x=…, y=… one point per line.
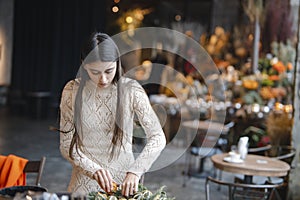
x=98, y=117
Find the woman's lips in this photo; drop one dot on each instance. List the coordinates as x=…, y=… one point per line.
x=102, y=84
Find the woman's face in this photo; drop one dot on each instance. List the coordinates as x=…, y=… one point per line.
x=101, y=73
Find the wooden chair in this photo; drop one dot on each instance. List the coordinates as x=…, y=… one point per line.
x=36, y=167
x=243, y=191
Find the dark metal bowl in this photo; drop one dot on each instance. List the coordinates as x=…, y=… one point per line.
x=11, y=191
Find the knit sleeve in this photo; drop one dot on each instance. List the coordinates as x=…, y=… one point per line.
x=156, y=140
x=82, y=162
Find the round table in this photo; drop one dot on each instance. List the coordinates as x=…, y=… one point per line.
x=209, y=126
x=252, y=165
x=204, y=133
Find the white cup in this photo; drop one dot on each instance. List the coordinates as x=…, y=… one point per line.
x=234, y=156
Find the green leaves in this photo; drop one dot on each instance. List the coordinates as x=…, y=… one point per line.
x=142, y=194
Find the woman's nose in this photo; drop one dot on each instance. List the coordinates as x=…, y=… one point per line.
x=102, y=78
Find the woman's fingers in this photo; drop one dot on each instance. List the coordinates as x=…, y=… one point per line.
x=128, y=189
x=98, y=177
x=104, y=179
x=136, y=187
x=110, y=180
x=130, y=184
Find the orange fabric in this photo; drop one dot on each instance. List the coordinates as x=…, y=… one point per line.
x=11, y=168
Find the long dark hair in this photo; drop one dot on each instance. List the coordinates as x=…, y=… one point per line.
x=99, y=47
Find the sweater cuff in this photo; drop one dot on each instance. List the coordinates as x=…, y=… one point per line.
x=138, y=173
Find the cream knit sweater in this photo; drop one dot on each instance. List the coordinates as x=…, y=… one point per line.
x=98, y=117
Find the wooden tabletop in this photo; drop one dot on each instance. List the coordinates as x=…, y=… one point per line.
x=206, y=126
x=252, y=165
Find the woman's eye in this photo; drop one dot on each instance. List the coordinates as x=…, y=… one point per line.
x=95, y=72
x=109, y=71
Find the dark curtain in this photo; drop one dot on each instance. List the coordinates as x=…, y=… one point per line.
x=48, y=36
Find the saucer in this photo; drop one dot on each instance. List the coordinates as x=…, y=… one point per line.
x=229, y=159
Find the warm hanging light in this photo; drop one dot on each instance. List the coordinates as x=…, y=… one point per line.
x=115, y=9
x=116, y=1
x=178, y=18
x=129, y=19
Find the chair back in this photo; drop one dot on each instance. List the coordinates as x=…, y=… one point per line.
x=259, y=150
x=36, y=167
x=243, y=191
x=285, y=153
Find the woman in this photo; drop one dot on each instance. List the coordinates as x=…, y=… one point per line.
x=96, y=125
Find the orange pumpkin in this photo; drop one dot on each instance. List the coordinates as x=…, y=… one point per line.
x=250, y=84
x=274, y=77
x=279, y=66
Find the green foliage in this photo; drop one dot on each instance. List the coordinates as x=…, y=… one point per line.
x=142, y=194
x=252, y=97
x=264, y=65
x=285, y=52
x=255, y=134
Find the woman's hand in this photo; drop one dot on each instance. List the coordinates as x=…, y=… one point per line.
x=104, y=179
x=130, y=184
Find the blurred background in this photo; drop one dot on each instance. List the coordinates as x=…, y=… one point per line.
x=40, y=41
x=253, y=43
